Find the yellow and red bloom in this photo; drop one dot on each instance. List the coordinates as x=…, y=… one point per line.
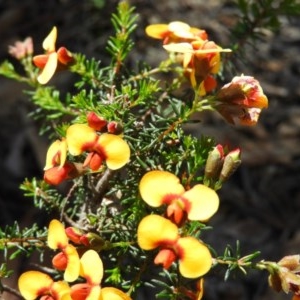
x=57, y=169
x=201, y=58
x=52, y=60
x=37, y=285
x=175, y=32
x=162, y=187
x=91, y=269
x=67, y=259
x=157, y=232
x=241, y=100
x=104, y=147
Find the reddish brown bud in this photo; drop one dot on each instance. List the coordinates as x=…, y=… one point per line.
x=96, y=122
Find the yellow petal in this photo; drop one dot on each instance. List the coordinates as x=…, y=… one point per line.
x=155, y=230
x=91, y=267
x=73, y=266
x=62, y=289
x=157, y=31
x=204, y=202
x=80, y=137
x=50, y=40
x=94, y=293
x=179, y=47
x=194, y=257
x=115, y=150
x=49, y=69
x=32, y=283
x=56, y=152
x=178, y=26
x=156, y=185
x=57, y=237
x=111, y=293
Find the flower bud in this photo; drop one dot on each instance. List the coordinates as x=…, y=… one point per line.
x=114, y=127
x=74, y=234
x=231, y=162
x=95, y=241
x=96, y=122
x=214, y=163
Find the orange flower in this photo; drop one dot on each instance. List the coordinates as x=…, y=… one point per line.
x=57, y=169
x=241, y=100
x=200, y=59
x=91, y=269
x=157, y=232
x=52, y=60
x=162, y=187
x=105, y=147
x=175, y=32
x=68, y=258
x=37, y=285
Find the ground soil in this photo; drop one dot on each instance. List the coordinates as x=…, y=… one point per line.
x=260, y=205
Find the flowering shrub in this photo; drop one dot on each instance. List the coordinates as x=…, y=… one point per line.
x=130, y=190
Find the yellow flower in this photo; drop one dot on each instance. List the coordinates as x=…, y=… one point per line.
x=157, y=232
x=35, y=284
x=52, y=60
x=200, y=59
x=68, y=258
x=104, y=147
x=175, y=32
x=91, y=269
x=162, y=187
x=56, y=154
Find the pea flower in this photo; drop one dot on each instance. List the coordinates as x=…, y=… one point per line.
x=285, y=275
x=201, y=58
x=52, y=60
x=176, y=31
x=38, y=285
x=57, y=169
x=67, y=259
x=162, y=187
x=91, y=269
x=241, y=100
x=157, y=232
x=21, y=49
x=104, y=147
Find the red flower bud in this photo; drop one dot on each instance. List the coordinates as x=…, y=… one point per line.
x=114, y=127
x=96, y=122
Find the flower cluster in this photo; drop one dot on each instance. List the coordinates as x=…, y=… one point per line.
x=83, y=138
x=200, y=57
x=88, y=268
x=240, y=101
x=199, y=203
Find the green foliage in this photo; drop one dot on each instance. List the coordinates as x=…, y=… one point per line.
x=105, y=204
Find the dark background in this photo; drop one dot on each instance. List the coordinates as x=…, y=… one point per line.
x=259, y=205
